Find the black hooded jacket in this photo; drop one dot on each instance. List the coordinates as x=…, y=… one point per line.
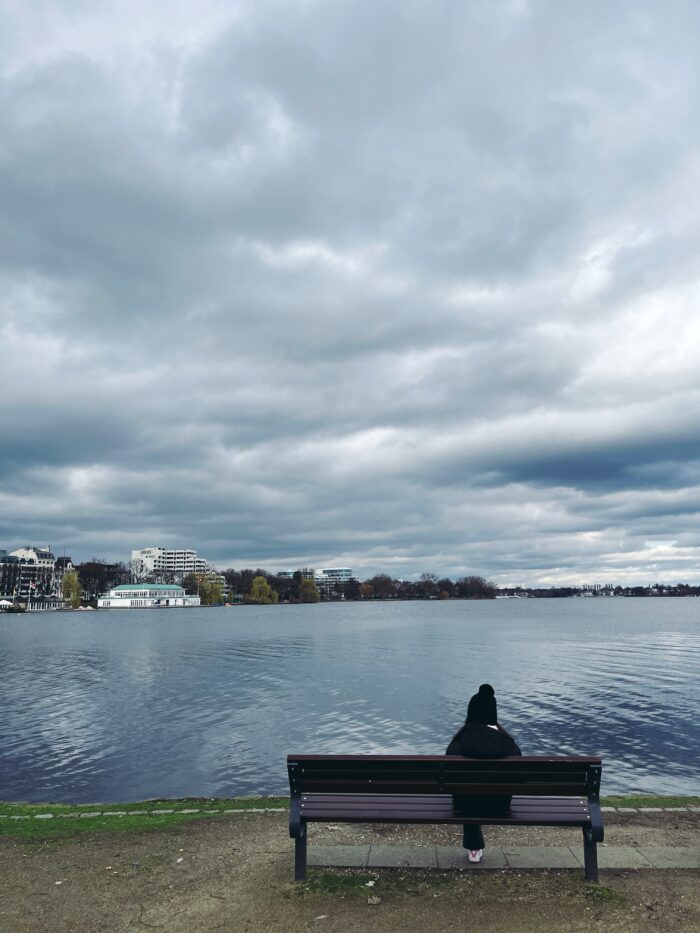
x=478, y=741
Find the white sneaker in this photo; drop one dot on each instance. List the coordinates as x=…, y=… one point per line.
x=475, y=855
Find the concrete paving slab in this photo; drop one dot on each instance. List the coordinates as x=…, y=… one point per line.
x=456, y=857
x=672, y=856
x=499, y=858
x=540, y=857
x=616, y=857
x=338, y=856
x=402, y=857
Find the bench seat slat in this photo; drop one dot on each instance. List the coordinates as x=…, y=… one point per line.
x=436, y=800
x=407, y=816
x=448, y=815
x=382, y=798
x=329, y=807
x=401, y=816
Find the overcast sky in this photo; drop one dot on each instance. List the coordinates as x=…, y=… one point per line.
x=405, y=286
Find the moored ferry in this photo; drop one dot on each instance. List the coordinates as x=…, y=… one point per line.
x=146, y=596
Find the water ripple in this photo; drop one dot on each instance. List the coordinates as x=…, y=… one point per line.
x=125, y=706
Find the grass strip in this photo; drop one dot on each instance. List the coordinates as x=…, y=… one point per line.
x=69, y=820
x=648, y=800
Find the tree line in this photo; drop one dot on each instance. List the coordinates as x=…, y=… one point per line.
x=90, y=579
x=245, y=586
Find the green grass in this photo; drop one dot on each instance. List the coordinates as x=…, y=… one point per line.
x=647, y=800
x=66, y=820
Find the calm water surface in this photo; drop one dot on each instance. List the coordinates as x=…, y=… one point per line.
x=126, y=705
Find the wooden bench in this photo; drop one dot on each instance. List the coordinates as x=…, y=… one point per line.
x=546, y=791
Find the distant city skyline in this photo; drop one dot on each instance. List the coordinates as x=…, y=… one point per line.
x=401, y=287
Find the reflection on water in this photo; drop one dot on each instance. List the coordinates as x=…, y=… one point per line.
x=119, y=706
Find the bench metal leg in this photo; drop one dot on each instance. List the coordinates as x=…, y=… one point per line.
x=590, y=855
x=300, y=856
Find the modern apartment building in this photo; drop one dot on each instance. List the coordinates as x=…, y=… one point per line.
x=332, y=576
x=154, y=560
x=307, y=573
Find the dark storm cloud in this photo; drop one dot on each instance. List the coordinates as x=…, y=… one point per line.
x=406, y=287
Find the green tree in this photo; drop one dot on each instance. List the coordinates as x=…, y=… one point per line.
x=211, y=592
x=70, y=586
x=217, y=593
x=262, y=593
x=308, y=592
x=205, y=591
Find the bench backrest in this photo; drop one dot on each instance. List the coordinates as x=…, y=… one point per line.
x=445, y=774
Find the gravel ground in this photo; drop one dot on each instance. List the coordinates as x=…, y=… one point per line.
x=233, y=873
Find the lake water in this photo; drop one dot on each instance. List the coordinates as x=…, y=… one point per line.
x=126, y=705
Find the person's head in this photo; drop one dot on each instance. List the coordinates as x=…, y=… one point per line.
x=482, y=707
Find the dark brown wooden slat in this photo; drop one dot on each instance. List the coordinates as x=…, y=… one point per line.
x=381, y=799
x=554, y=799
x=513, y=776
x=447, y=763
x=522, y=759
x=375, y=787
x=429, y=803
x=492, y=789
x=462, y=774
x=377, y=813
x=387, y=814
x=427, y=819
x=548, y=789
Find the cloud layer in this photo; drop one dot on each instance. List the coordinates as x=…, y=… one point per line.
x=407, y=287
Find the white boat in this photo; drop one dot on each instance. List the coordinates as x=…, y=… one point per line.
x=146, y=596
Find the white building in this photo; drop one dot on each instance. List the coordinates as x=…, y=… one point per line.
x=41, y=556
x=328, y=577
x=27, y=571
x=146, y=596
x=153, y=560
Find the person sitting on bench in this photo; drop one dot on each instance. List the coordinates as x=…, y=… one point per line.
x=481, y=736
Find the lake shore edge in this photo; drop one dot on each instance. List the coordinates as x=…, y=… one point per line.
x=44, y=821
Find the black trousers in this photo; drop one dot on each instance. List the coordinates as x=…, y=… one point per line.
x=472, y=835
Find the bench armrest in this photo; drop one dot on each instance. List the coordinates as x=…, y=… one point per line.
x=596, y=821
x=295, y=828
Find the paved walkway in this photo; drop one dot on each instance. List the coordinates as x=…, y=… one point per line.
x=501, y=857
